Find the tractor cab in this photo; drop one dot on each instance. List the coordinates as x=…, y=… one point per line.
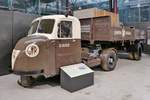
x=52, y=42
x=56, y=27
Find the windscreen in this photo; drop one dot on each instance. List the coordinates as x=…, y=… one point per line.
x=46, y=26
x=33, y=28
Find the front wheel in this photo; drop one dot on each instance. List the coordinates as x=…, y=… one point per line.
x=26, y=81
x=108, y=60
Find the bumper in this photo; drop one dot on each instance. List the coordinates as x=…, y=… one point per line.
x=27, y=72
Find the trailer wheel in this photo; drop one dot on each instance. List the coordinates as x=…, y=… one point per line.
x=26, y=81
x=131, y=55
x=138, y=52
x=109, y=60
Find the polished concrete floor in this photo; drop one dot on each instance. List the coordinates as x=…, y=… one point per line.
x=129, y=81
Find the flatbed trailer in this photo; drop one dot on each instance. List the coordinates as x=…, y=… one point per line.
x=99, y=27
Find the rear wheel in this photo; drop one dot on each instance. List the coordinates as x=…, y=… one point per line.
x=136, y=52
x=109, y=60
x=26, y=81
x=131, y=55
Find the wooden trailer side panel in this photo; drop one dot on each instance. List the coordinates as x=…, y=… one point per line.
x=117, y=33
x=102, y=29
x=139, y=34
x=86, y=29
x=98, y=28
x=129, y=34
x=122, y=34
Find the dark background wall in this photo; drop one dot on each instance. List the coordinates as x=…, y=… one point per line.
x=15, y=19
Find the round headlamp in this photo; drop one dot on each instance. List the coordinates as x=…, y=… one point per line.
x=32, y=50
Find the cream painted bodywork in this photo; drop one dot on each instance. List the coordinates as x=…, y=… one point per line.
x=15, y=54
x=58, y=18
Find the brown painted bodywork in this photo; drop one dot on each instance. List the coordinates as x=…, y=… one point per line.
x=100, y=25
x=51, y=57
x=100, y=29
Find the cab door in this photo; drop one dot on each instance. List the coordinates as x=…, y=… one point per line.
x=67, y=47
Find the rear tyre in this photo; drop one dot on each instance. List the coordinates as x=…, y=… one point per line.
x=131, y=55
x=26, y=81
x=136, y=52
x=108, y=60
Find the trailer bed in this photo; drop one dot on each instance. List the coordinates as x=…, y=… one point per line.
x=100, y=25
x=99, y=28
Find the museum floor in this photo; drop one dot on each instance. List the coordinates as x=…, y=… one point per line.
x=129, y=81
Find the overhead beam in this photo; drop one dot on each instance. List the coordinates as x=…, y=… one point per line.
x=111, y=5
x=47, y=1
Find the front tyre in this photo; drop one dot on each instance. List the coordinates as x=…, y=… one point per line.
x=108, y=60
x=26, y=81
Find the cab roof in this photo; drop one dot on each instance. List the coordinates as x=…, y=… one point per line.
x=55, y=17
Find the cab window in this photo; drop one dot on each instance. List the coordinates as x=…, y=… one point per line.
x=65, y=29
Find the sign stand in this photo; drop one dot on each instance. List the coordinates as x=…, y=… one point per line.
x=76, y=77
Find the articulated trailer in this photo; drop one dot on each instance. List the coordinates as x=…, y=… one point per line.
x=102, y=28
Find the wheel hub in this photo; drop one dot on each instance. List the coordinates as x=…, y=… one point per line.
x=111, y=60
